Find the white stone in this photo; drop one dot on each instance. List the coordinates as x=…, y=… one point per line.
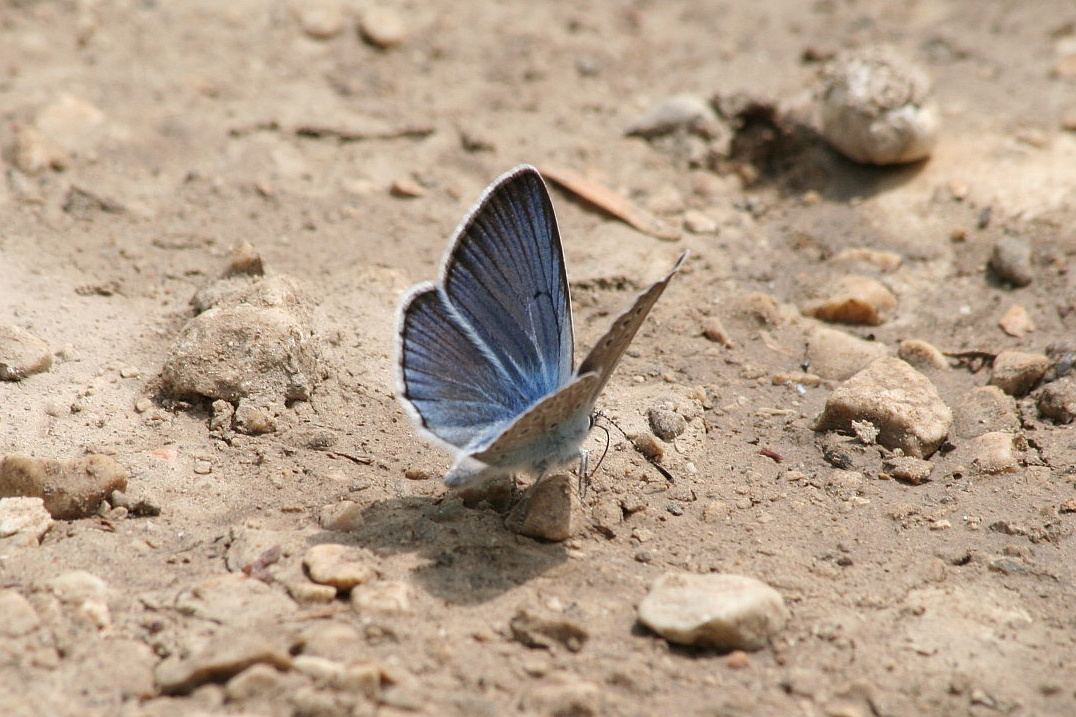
x=729, y=612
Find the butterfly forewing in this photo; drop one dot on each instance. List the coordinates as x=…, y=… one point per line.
x=505, y=277
x=605, y=355
x=457, y=392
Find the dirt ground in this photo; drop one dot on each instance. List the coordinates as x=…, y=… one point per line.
x=347, y=165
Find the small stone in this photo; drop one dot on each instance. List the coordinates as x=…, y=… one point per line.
x=984, y=409
x=320, y=19
x=838, y=355
x=922, y=355
x=548, y=510
x=244, y=260
x=899, y=400
x=716, y=511
x=908, y=469
x=17, y=615
x=648, y=447
x=564, y=696
x=382, y=28
x=389, y=597
x=725, y=611
x=264, y=682
x=23, y=521
x=21, y=354
x=756, y=308
x=333, y=640
x=340, y=566
x=883, y=260
x=992, y=452
x=1067, y=506
x=854, y=300
x=698, y=222
x=876, y=108
x=547, y=631
x=227, y=654
x=1016, y=322
x=666, y=424
x=202, y=467
x=796, y=378
x=1058, y=400
x=308, y=592
x=255, y=417
x=714, y=330
x=686, y=111
x=142, y=404
x=737, y=660
x=70, y=490
x=1017, y=372
x=1011, y=261
x=34, y=152
x=407, y=188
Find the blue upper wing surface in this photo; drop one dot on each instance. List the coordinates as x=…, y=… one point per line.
x=504, y=276
x=459, y=394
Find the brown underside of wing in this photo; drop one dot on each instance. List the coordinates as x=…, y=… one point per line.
x=543, y=418
x=605, y=355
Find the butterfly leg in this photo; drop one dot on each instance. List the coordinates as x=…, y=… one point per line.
x=584, y=479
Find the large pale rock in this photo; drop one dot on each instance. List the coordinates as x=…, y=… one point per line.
x=341, y=566
x=898, y=400
x=729, y=612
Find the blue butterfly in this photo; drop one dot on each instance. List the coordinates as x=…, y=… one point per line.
x=484, y=356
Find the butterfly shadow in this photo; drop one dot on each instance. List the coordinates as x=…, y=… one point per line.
x=466, y=555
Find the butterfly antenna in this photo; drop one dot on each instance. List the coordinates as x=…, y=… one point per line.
x=652, y=461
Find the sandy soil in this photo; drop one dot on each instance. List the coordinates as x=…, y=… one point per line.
x=953, y=597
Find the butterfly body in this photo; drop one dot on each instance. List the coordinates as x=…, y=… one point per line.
x=484, y=356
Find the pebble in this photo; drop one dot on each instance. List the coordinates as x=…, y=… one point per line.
x=564, y=695
x=698, y=222
x=320, y=19
x=389, y=597
x=838, y=355
x=255, y=416
x=992, y=452
x=227, y=654
x=253, y=342
x=922, y=355
x=679, y=112
x=1016, y=322
x=1017, y=372
x=1011, y=261
x=17, y=615
x=21, y=354
x=882, y=260
x=548, y=510
x=876, y=108
x=854, y=300
x=1058, y=400
x=714, y=330
x=758, y=308
x=382, y=27
x=70, y=490
x=333, y=640
x=341, y=566
x=725, y=611
x=907, y=469
x=23, y=521
x=665, y=423
x=142, y=404
x=407, y=188
x=547, y=631
x=305, y=591
x=244, y=260
x=63, y=129
x=984, y=409
x=901, y=402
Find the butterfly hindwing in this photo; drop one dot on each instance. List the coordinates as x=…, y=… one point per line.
x=505, y=277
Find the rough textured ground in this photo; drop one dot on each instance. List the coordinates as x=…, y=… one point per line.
x=954, y=596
